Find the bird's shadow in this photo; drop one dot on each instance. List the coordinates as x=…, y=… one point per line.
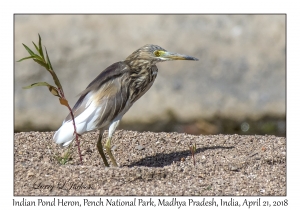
x=163, y=159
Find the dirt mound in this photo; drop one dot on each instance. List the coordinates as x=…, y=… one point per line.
x=152, y=164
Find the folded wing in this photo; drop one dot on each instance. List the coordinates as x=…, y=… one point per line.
x=102, y=101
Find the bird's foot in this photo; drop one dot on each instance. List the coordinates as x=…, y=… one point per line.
x=100, y=150
x=108, y=150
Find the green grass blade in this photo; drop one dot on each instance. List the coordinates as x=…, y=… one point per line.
x=28, y=50
x=41, y=63
x=55, y=78
x=37, y=84
x=41, y=49
x=26, y=58
x=51, y=88
x=37, y=49
x=48, y=60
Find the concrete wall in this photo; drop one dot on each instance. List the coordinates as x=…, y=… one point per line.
x=240, y=72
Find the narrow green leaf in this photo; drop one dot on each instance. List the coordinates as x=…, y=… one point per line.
x=40, y=48
x=39, y=58
x=41, y=63
x=37, y=49
x=48, y=60
x=51, y=88
x=37, y=84
x=28, y=50
x=55, y=78
x=26, y=58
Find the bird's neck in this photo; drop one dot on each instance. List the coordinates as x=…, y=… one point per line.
x=139, y=64
x=141, y=79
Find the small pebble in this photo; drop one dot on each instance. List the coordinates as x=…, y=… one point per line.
x=139, y=147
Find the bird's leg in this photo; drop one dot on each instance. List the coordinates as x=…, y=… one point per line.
x=111, y=130
x=100, y=149
x=108, y=150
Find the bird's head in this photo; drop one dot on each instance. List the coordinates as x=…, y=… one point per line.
x=154, y=54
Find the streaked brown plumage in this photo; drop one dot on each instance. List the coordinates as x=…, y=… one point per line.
x=109, y=96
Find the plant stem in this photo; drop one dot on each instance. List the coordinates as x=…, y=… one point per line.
x=56, y=91
x=75, y=131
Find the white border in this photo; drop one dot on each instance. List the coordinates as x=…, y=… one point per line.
x=150, y=6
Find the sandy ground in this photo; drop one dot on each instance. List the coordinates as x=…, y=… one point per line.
x=152, y=164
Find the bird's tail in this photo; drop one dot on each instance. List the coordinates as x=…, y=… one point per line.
x=65, y=134
x=84, y=123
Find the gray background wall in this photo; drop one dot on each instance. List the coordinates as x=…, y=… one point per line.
x=240, y=73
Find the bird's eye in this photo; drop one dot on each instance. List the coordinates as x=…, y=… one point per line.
x=157, y=53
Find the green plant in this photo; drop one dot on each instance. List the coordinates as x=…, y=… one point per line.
x=209, y=187
x=64, y=158
x=57, y=90
x=193, y=151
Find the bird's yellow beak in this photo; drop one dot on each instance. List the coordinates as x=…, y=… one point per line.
x=175, y=56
